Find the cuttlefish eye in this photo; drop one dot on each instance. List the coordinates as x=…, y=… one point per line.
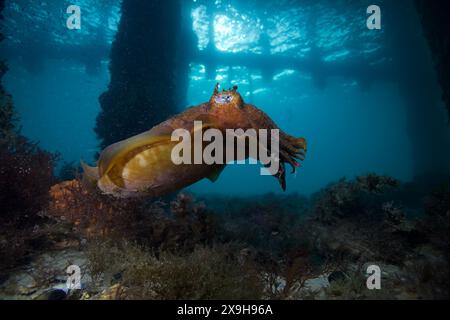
x=223, y=98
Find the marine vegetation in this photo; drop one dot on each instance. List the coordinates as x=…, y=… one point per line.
x=142, y=165
x=26, y=175
x=261, y=247
x=177, y=226
x=204, y=273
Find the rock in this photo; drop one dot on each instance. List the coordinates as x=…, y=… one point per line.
x=337, y=276
x=407, y=296
x=57, y=294
x=316, y=284
x=52, y=294
x=25, y=284
x=388, y=271
x=117, y=276
x=85, y=296
x=60, y=278
x=45, y=276
x=115, y=292
x=431, y=254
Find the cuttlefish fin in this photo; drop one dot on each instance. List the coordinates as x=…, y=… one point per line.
x=157, y=135
x=112, y=178
x=117, y=151
x=109, y=187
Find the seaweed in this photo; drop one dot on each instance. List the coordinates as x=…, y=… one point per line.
x=178, y=226
x=254, y=248
x=26, y=174
x=205, y=273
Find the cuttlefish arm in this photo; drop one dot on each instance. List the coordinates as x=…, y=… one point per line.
x=292, y=150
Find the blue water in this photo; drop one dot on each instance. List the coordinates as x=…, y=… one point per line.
x=351, y=129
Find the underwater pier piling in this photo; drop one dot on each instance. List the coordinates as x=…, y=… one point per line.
x=141, y=92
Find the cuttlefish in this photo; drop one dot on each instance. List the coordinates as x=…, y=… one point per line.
x=142, y=165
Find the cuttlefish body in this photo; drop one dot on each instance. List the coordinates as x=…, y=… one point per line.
x=142, y=165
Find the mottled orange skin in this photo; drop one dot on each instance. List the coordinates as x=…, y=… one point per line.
x=225, y=110
x=237, y=114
